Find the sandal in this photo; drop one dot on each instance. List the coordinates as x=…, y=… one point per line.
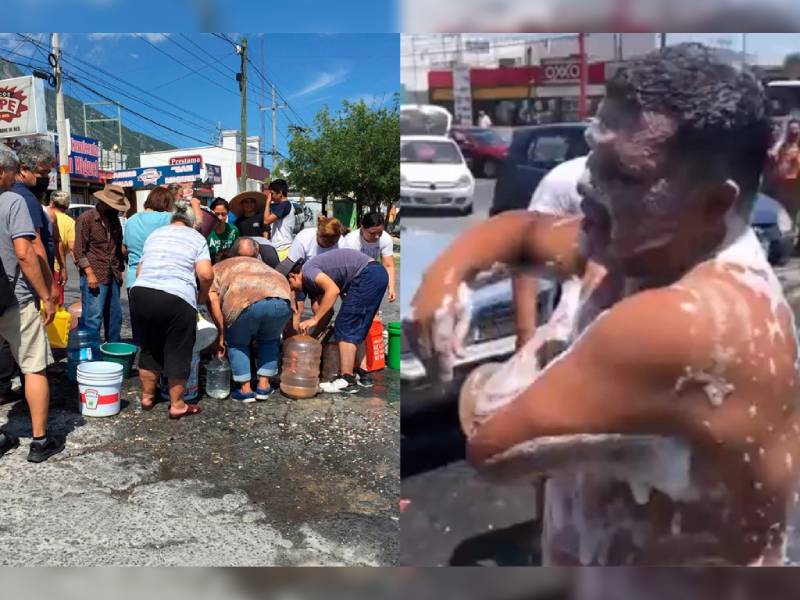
x=191, y=409
x=147, y=407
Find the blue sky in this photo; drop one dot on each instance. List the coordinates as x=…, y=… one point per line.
x=309, y=70
x=201, y=15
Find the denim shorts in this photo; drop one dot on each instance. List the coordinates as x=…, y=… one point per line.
x=361, y=302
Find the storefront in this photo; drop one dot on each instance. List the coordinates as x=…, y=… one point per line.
x=546, y=93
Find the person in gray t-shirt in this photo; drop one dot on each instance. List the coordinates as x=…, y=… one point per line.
x=20, y=323
x=361, y=282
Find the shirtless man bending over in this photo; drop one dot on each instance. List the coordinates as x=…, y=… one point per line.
x=669, y=429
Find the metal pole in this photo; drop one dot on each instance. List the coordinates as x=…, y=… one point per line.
x=263, y=99
x=61, y=123
x=274, y=126
x=583, y=75
x=663, y=40
x=119, y=127
x=85, y=124
x=243, y=133
x=744, y=49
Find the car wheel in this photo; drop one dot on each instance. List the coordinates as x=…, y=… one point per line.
x=467, y=210
x=490, y=169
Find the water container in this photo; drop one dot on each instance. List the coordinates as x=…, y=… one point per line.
x=376, y=358
x=83, y=346
x=218, y=378
x=300, y=367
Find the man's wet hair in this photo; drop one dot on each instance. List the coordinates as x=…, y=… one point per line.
x=720, y=109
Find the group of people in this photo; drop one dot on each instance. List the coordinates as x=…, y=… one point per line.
x=250, y=272
x=666, y=426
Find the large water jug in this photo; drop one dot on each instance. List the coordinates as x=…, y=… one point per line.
x=218, y=378
x=83, y=346
x=300, y=367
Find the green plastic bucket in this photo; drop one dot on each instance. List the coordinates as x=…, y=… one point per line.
x=395, y=331
x=121, y=353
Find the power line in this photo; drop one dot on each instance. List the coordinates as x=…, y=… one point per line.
x=510, y=44
x=148, y=93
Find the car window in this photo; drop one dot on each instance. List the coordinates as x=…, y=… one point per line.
x=579, y=146
x=420, y=151
x=548, y=148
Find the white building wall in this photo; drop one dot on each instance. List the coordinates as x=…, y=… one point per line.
x=226, y=157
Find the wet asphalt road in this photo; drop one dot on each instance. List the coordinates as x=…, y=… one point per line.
x=282, y=482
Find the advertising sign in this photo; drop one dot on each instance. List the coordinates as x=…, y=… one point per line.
x=213, y=174
x=560, y=72
x=462, y=95
x=22, y=107
x=187, y=160
x=150, y=176
x=84, y=158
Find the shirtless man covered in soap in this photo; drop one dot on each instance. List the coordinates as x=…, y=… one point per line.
x=668, y=429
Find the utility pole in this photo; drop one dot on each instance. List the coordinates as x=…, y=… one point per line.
x=243, y=133
x=663, y=40
x=584, y=76
x=61, y=123
x=744, y=49
x=274, y=107
x=263, y=100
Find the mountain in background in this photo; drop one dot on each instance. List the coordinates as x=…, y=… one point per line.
x=133, y=142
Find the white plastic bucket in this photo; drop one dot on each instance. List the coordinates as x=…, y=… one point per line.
x=192, y=384
x=206, y=334
x=99, y=385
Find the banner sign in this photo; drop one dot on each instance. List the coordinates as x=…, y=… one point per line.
x=151, y=176
x=84, y=158
x=22, y=107
x=186, y=160
x=213, y=174
x=462, y=95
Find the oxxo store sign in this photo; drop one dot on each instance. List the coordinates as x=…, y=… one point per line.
x=560, y=72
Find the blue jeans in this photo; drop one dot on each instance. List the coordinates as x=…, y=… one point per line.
x=101, y=307
x=265, y=321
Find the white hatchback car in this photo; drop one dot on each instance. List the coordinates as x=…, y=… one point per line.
x=434, y=175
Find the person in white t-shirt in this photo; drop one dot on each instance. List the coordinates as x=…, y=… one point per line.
x=484, y=120
x=556, y=195
x=313, y=241
x=373, y=241
x=279, y=217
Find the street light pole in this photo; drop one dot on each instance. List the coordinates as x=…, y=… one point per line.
x=583, y=75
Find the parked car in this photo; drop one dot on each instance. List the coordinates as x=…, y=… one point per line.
x=483, y=149
x=434, y=175
x=532, y=153
x=774, y=229
x=303, y=215
x=492, y=335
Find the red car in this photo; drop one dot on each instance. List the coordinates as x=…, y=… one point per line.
x=483, y=149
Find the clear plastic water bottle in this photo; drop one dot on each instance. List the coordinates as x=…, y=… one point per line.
x=218, y=378
x=83, y=346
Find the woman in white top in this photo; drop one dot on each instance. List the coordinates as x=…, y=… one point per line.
x=373, y=241
x=310, y=242
x=174, y=270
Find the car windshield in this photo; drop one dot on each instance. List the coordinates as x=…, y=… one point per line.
x=429, y=152
x=487, y=137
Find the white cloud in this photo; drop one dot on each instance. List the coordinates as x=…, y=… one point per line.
x=134, y=55
x=323, y=80
x=150, y=37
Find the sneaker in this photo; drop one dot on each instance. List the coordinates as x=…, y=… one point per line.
x=7, y=442
x=41, y=451
x=242, y=397
x=340, y=384
x=364, y=378
x=263, y=393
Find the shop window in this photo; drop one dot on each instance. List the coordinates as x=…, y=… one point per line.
x=548, y=149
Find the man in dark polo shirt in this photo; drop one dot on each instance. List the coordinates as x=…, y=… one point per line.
x=98, y=252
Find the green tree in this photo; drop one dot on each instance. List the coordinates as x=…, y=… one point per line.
x=791, y=64
x=353, y=154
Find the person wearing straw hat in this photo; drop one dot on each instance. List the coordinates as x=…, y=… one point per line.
x=266, y=216
x=98, y=252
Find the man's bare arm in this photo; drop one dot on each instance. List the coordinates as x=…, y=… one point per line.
x=609, y=382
